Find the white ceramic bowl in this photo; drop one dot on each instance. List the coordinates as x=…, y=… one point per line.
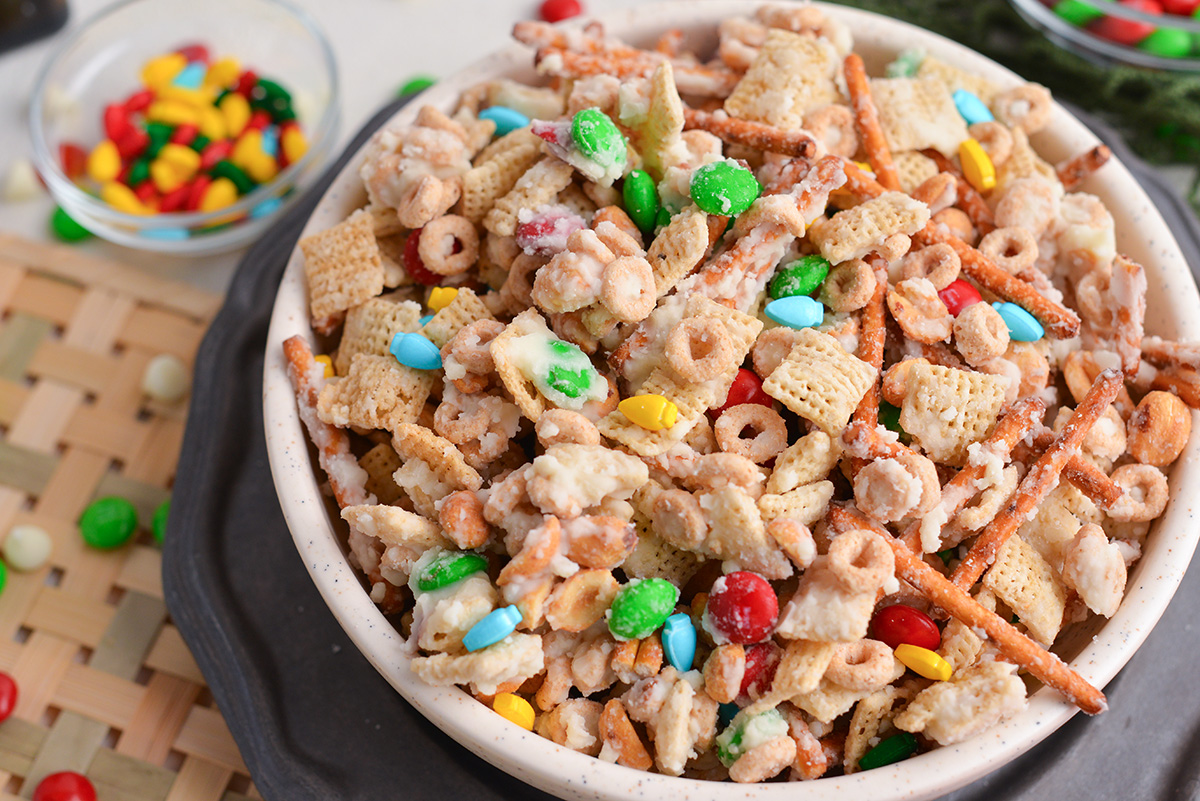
x=1173, y=302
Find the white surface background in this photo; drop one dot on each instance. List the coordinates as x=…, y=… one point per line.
x=380, y=44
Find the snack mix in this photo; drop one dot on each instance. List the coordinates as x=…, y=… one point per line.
x=743, y=418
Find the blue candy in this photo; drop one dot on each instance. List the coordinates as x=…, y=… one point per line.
x=971, y=108
x=424, y=321
x=796, y=311
x=270, y=140
x=191, y=76
x=492, y=629
x=415, y=351
x=727, y=712
x=679, y=641
x=507, y=120
x=266, y=208
x=166, y=234
x=1022, y=326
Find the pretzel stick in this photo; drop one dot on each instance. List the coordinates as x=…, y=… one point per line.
x=1084, y=475
x=1020, y=419
x=1166, y=353
x=1074, y=171
x=1039, y=481
x=670, y=44
x=871, y=341
x=1047, y=667
x=969, y=199
x=1128, y=289
x=1182, y=381
x=690, y=79
x=752, y=134
x=866, y=120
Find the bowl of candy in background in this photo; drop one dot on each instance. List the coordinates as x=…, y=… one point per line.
x=1157, y=34
x=120, y=111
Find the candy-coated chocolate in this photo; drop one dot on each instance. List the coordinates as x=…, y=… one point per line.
x=507, y=119
x=724, y=187
x=906, y=64
x=116, y=120
x=898, y=624
x=424, y=320
x=108, y=522
x=732, y=742
x=1123, y=31
x=269, y=143
x=958, y=295
x=415, y=351
x=977, y=166
x=26, y=548
x=1077, y=12
x=104, y=162
x=123, y=199
x=971, y=108
x=679, y=641
x=641, y=200
x=796, y=311
x=73, y=160
x=572, y=374
x=514, y=709
x=220, y=193
x=8, y=696
x=1168, y=43
x=746, y=388
x=166, y=234
x=158, y=72
x=223, y=72
x=235, y=174
x=327, y=362
x=236, y=110
x=598, y=137
x=558, y=10
x=889, y=416
x=651, y=412
x=191, y=76
x=641, y=606
x=66, y=228
x=924, y=662
x=1022, y=326
x=172, y=112
x=417, y=83
x=889, y=751
x=195, y=52
x=440, y=297
x=158, y=523
x=493, y=628
x=65, y=786
x=448, y=568
x=742, y=608
x=802, y=277
x=294, y=144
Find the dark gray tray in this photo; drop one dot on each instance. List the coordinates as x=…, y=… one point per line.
x=315, y=722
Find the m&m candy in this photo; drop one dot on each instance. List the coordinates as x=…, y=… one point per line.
x=641, y=607
x=742, y=608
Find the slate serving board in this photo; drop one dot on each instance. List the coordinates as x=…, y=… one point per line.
x=316, y=722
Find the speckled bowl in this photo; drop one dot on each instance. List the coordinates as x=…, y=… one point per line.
x=1097, y=652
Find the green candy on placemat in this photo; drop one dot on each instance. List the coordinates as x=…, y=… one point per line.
x=1158, y=112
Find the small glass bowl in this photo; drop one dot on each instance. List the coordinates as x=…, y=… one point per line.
x=1083, y=42
x=100, y=64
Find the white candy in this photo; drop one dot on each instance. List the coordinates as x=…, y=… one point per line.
x=26, y=548
x=166, y=379
x=21, y=183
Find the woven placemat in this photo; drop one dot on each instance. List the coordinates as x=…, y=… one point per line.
x=106, y=685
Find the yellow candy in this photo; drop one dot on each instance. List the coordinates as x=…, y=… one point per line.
x=865, y=167
x=182, y=157
x=220, y=193
x=236, y=110
x=165, y=176
x=514, y=708
x=122, y=198
x=172, y=112
x=977, y=166
x=212, y=122
x=924, y=662
x=159, y=72
x=440, y=297
x=247, y=148
x=651, y=412
x=104, y=162
x=192, y=98
x=223, y=73
x=261, y=168
x=294, y=144
x=328, y=362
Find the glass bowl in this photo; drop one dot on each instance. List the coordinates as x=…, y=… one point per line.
x=101, y=63
x=1083, y=42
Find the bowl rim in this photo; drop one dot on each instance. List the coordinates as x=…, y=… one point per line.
x=555, y=769
x=63, y=187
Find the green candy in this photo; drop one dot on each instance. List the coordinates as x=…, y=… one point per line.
x=801, y=277
x=946, y=555
x=108, y=523
x=893, y=749
x=3, y=576
x=889, y=415
x=449, y=567
x=273, y=99
x=417, y=83
x=227, y=169
x=65, y=228
x=158, y=525
x=159, y=134
x=641, y=607
x=598, y=137
x=139, y=171
x=1167, y=43
x=763, y=726
x=641, y=200
x=574, y=375
x=663, y=218
x=724, y=187
x=906, y=64
x=200, y=142
x=1077, y=12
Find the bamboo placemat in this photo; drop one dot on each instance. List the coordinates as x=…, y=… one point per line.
x=106, y=685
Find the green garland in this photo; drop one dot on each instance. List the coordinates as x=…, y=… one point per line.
x=1158, y=112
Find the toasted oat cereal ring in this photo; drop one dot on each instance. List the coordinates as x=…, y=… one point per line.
x=563, y=426
x=1012, y=249
x=860, y=560
x=864, y=665
x=699, y=349
x=895, y=380
x=459, y=423
x=1145, y=493
x=581, y=600
x=517, y=290
x=449, y=245
x=678, y=519
x=980, y=334
x=770, y=432
x=1026, y=107
x=995, y=140
x=627, y=288
x=938, y=262
x=461, y=517
x=471, y=346
x=849, y=286
x=771, y=348
x=834, y=127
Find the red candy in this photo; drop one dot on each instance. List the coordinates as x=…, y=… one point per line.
x=139, y=101
x=899, y=624
x=196, y=192
x=746, y=388
x=246, y=83
x=175, y=200
x=214, y=152
x=194, y=52
x=413, y=264
x=1184, y=8
x=73, y=159
x=132, y=143
x=761, y=661
x=742, y=608
x=116, y=121
x=8, y=696
x=259, y=120
x=546, y=233
x=959, y=295
x=184, y=134
x=146, y=193
x=558, y=10
x=1126, y=31
x=65, y=786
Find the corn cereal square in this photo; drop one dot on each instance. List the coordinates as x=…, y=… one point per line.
x=855, y=232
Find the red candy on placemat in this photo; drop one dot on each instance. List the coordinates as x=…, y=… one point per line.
x=558, y=10
x=65, y=786
x=742, y=608
x=1126, y=31
x=8, y=696
x=899, y=624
